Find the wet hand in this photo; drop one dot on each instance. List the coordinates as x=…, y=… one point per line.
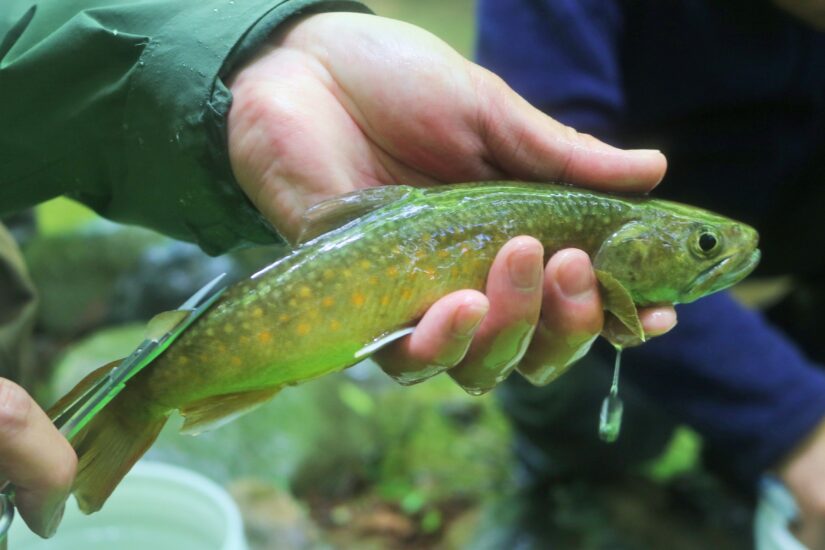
x=35, y=458
x=539, y=318
x=343, y=101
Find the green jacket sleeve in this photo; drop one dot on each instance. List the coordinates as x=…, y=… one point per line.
x=120, y=104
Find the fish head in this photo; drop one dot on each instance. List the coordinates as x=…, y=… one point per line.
x=675, y=253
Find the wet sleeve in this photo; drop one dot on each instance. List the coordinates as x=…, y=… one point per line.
x=561, y=55
x=737, y=380
x=121, y=105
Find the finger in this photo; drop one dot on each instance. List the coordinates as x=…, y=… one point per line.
x=514, y=291
x=35, y=458
x=527, y=144
x=571, y=318
x=655, y=322
x=440, y=340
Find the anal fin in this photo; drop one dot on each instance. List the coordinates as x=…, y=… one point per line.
x=215, y=411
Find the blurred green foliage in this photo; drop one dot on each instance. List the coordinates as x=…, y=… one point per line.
x=450, y=20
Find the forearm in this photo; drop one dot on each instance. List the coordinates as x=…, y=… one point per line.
x=122, y=105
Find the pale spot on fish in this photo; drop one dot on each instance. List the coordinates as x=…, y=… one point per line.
x=392, y=271
x=304, y=292
x=258, y=312
x=365, y=264
x=328, y=274
x=229, y=329
x=236, y=361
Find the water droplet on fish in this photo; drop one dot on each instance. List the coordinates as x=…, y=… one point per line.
x=114, y=32
x=610, y=418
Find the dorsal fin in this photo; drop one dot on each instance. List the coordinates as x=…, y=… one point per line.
x=333, y=213
x=617, y=300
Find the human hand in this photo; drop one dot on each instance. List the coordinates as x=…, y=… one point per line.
x=803, y=472
x=345, y=101
x=811, y=12
x=35, y=458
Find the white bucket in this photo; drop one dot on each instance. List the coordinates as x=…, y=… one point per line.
x=157, y=506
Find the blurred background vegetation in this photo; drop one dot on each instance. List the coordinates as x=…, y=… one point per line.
x=351, y=460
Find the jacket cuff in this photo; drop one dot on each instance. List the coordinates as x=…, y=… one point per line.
x=180, y=164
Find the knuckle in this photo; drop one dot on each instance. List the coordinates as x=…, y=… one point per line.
x=15, y=405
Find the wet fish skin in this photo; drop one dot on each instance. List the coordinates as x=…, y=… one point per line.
x=311, y=312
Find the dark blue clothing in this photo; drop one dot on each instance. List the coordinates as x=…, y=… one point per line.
x=734, y=93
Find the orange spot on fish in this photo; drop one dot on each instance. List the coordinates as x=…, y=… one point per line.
x=392, y=271
x=236, y=361
x=406, y=294
x=385, y=300
x=303, y=329
x=328, y=301
x=373, y=280
x=358, y=299
x=283, y=317
x=264, y=336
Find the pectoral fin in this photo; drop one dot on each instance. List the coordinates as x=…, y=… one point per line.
x=333, y=213
x=212, y=412
x=617, y=300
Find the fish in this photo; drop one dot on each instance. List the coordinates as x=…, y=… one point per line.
x=367, y=265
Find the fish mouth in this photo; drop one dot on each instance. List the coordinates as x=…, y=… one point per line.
x=723, y=274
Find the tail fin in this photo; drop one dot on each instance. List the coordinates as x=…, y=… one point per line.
x=110, y=444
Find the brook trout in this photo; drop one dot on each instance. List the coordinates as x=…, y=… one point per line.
x=371, y=263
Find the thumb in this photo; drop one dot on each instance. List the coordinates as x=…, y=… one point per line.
x=527, y=144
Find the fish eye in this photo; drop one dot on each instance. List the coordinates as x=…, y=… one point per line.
x=707, y=242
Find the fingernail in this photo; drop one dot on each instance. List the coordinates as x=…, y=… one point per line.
x=468, y=318
x=575, y=279
x=525, y=272
x=57, y=517
x=660, y=322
